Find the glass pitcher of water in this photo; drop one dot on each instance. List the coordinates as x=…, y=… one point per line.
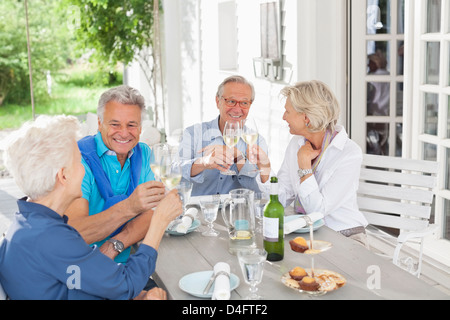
x=239, y=217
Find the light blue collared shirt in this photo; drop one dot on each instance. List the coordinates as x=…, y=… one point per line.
x=208, y=182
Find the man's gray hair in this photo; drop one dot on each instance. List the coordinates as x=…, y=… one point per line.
x=235, y=79
x=123, y=94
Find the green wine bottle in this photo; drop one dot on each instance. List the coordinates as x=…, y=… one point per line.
x=273, y=224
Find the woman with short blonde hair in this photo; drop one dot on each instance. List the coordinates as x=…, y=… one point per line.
x=315, y=99
x=320, y=171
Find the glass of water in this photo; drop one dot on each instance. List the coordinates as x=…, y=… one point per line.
x=260, y=199
x=210, y=206
x=252, y=266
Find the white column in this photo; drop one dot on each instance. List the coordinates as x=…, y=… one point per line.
x=171, y=38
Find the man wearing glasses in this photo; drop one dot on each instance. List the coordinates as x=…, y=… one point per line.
x=204, y=155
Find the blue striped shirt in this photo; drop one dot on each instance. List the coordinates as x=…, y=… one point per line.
x=209, y=182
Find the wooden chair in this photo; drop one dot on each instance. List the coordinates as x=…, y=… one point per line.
x=397, y=193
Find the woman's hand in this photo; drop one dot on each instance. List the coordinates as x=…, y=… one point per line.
x=169, y=208
x=257, y=156
x=152, y=294
x=306, y=154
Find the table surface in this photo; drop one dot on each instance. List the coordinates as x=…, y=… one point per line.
x=368, y=275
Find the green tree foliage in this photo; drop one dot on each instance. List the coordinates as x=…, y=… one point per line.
x=116, y=29
x=49, y=47
x=121, y=31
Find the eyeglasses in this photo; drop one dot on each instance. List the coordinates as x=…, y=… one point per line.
x=232, y=103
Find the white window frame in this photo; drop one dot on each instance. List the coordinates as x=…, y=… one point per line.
x=437, y=247
x=359, y=76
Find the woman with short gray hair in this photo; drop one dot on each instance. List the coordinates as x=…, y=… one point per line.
x=320, y=171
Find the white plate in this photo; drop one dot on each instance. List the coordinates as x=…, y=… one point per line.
x=195, y=283
x=316, y=225
x=328, y=280
x=195, y=224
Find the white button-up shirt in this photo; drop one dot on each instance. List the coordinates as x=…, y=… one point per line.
x=331, y=190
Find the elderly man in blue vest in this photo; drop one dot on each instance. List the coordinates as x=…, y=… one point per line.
x=119, y=191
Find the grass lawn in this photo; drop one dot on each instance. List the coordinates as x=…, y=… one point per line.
x=68, y=97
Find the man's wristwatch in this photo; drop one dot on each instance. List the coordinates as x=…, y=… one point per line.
x=117, y=244
x=304, y=172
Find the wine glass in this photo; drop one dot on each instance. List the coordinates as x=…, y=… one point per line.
x=231, y=135
x=210, y=206
x=252, y=266
x=184, y=190
x=249, y=133
x=170, y=169
x=260, y=199
x=158, y=151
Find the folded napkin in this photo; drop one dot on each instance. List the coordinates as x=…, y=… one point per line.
x=300, y=222
x=186, y=222
x=222, y=283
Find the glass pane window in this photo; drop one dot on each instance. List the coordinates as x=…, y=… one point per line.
x=378, y=138
x=378, y=57
x=378, y=97
x=447, y=169
x=400, y=57
x=448, y=48
x=401, y=16
x=447, y=219
x=432, y=62
x=434, y=16
x=431, y=113
x=448, y=117
x=378, y=16
x=398, y=139
x=429, y=151
x=399, y=100
x=448, y=22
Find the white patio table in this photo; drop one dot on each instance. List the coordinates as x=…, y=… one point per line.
x=368, y=276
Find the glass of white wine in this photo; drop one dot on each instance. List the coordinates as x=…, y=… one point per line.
x=158, y=151
x=249, y=133
x=231, y=136
x=170, y=169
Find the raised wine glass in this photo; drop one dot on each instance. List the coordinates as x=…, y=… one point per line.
x=249, y=133
x=156, y=156
x=231, y=135
x=170, y=170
